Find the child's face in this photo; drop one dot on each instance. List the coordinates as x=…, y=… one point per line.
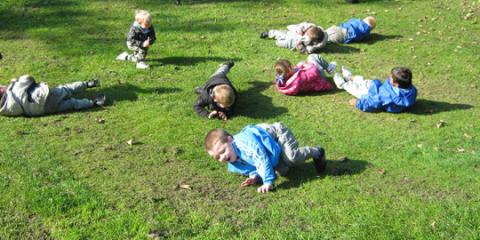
x=143, y=23
x=223, y=152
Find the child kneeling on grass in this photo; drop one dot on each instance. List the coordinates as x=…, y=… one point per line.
x=306, y=76
x=260, y=150
x=395, y=95
x=218, y=95
x=140, y=37
x=26, y=97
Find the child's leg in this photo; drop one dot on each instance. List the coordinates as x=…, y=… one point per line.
x=292, y=154
x=139, y=54
x=358, y=86
x=336, y=34
x=276, y=34
x=222, y=70
x=61, y=93
x=74, y=104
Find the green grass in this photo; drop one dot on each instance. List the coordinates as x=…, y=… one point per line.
x=67, y=177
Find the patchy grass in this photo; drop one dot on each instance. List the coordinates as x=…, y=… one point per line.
x=68, y=177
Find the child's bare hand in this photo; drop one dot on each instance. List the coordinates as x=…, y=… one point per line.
x=146, y=43
x=264, y=188
x=353, y=102
x=222, y=116
x=249, y=181
x=213, y=114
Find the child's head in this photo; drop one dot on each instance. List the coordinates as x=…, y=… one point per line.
x=401, y=77
x=143, y=18
x=218, y=144
x=371, y=22
x=315, y=34
x=223, y=95
x=283, y=68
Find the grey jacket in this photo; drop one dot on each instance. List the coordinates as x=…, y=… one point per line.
x=137, y=35
x=24, y=97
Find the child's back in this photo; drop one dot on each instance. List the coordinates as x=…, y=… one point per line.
x=387, y=97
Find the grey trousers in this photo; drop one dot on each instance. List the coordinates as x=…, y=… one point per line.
x=139, y=53
x=336, y=34
x=60, y=98
x=221, y=71
x=292, y=155
x=320, y=62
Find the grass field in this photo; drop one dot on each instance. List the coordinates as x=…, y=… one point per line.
x=67, y=176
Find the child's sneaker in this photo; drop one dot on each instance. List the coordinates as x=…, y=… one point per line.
x=331, y=67
x=320, y=162
x=123, y=56
x=100, y=100
x=198, y=90
x=93, y=83
x=142, y=65
x=339, y=80
x=346, y=73
x=264, y=35
x=230, y=63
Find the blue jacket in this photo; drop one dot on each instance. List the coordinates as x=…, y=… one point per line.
x=357, y=29
x=385, y=97
x=258, y=154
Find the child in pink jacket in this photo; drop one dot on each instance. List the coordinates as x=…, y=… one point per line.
x=304, y=77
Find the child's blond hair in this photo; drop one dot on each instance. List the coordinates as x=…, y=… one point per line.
x=283, y=67
x=214, y=136
x=371, y=21
x=224, y=95
x=143, y=15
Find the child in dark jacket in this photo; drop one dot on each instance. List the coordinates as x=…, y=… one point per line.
x=217, y=95
x=395, y=95
x=26, y=97
x=353, y=30
x=140, y=37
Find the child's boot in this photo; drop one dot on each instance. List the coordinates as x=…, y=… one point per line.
x=320, y=161
x=264, y=35
x=123, y=56
x=198, y=90
x=339, y=81
x=142, y=65
x=100, y=100
x=331, y=67
x=230, y=63
x=93, y=83
x=346, y=73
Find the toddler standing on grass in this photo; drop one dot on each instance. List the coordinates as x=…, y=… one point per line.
x=353, y=30
x=305, y=37
x=395, y=95
x=306, y=76
x=140, y=37
x=260, y=150
x=26, y=97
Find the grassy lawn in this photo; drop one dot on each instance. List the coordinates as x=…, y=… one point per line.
x=67, y=176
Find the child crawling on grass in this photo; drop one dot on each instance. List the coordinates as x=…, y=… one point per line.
x=308, y=76
x=395, y=95
x=259, y=151
x=26, y=97
x=304, y=37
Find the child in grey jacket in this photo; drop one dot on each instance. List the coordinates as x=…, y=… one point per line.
x=140, y=37
x=26, y=97
x=305, y=37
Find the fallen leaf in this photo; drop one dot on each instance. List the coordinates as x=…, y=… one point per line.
x=460, y=150
x=156, y=234
x=100, y=120
x=432, y=225
x=441, y=123
x=185, y=186
x=381, y=171
x=467, y=136
x=131, y=142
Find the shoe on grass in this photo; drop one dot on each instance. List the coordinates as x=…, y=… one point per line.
x=100, y=100
x=93, y=83
x=339, y=80
x=230, y=63
x=346, y=73
x=142, y=65
x=264, y=35
x=123, y=56
x=320, y=162
x=331, y=67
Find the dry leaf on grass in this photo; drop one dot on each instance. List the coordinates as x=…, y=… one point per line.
x=441, y=123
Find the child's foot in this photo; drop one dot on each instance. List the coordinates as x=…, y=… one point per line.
x=142, y=65
x=264, y=35
x=93, y=83
x=123, y=56
x=331, y=67
x=198, y=90
x=230, y=63
x=339, y=80
x=320, y=162
x=346, y=73
x=99, y=101
x=177, y=2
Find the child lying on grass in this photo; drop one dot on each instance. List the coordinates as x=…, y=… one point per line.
x=353, y=30
x=305, y=37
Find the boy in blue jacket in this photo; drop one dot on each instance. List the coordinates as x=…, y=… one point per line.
x=353, y=30
x=260, y=150
x=395, y=95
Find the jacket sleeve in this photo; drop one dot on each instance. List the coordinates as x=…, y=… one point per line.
x=199, y=106
x=262, y=164
x=153, y=35
x=131, y=38
x=22, y=84
x=300, y=27
x=372, y=101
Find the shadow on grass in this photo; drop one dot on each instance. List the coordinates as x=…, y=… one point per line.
x=186, y=61
x=428, y=107
x=253, y=104
x=337, y=48
x=128, y=92
x=298, y=175
x=375, y=37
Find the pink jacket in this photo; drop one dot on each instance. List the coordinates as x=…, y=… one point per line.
x=307, y=79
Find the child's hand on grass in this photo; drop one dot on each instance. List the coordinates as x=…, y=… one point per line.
x=222, y=116
x=249, y=181
x=265, y=188
x=353, y=102
x=212, y=114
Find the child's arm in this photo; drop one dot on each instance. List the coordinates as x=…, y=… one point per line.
x=152, y=36
x=300, y=28
x=372, y=101
x=131, y=38
x=199, y=106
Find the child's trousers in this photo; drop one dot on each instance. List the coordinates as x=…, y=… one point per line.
x=336, y=34
x=222, y=71
x=139, y=53
x=358, y=86
x=320, y=62
x=292, y=154
x=60, y=98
